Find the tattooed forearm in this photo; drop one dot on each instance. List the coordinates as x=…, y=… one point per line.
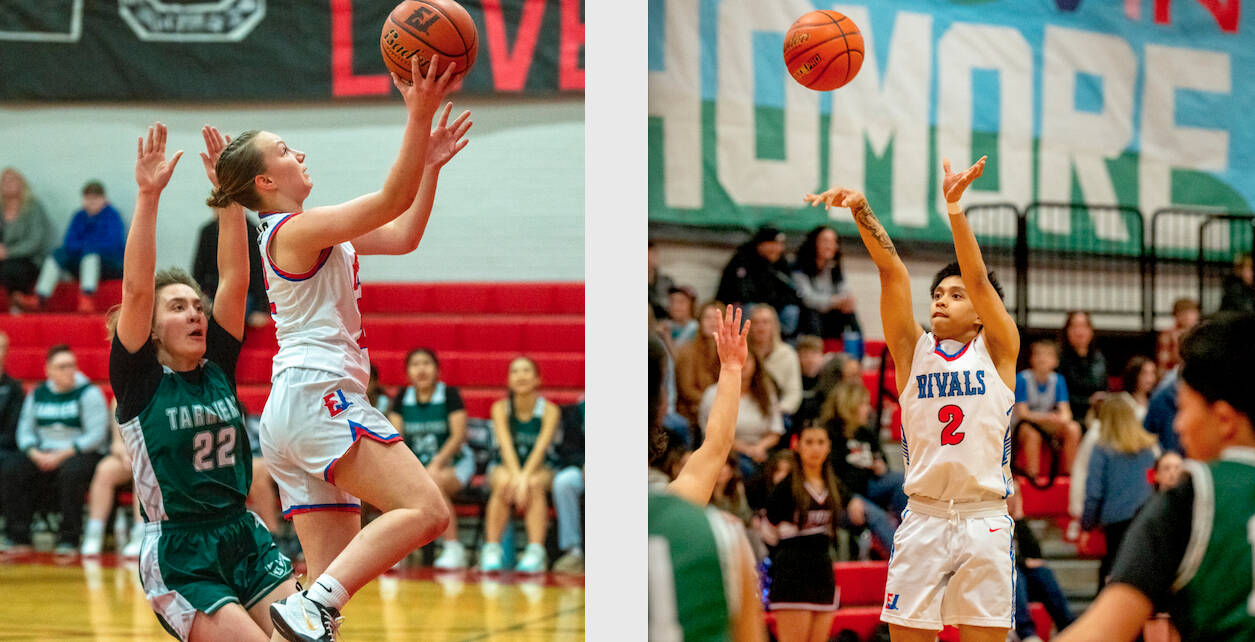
x=866, y=219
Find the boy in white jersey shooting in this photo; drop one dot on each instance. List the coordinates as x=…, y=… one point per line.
x=952, y=560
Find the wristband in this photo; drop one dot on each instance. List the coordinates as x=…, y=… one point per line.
x=953, y=208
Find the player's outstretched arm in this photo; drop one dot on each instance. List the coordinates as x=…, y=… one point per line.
x=902, y=331
x=1000, y=331
x=1118, y=614
x=402, y=234
x=325, y=226
x=230, y=301
x=697, y=479
x=152, y=174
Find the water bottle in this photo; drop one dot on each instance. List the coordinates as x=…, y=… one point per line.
x=852, y=343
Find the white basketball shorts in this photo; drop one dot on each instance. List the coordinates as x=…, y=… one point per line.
x=952, y=564
x=311, y=419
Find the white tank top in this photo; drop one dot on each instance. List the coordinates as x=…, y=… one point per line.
x=317, y=321
x=956, y=432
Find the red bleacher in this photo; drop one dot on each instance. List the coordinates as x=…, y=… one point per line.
x=475, y=328
x=862, y=592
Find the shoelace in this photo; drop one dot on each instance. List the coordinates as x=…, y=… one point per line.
x=332, y=624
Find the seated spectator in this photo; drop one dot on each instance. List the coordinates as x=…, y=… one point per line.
x=1168, y=470
x=431, y=416
x=759, y=423
x=729, y=495
x=1185, y=315
x=680, y=326
x=112, y=472
x=1042, y=410
x=205, y=268
x=827, y=307
x=91, y=251
x=697, y=364
x=758, y=273
x=11, y=398
x=1161, y=412
x=27, y=233
x=524, y=424
x=1239, y=287
x=1082, y=365
x=62, y=431
x=814, y=364
x=659, y=285
x=1139, y=380
x=778, y=358
x=859, y=461
x=1034, y=580
x=568, y=487
x=1116, y=485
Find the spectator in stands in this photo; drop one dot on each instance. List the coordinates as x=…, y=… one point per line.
x=697, y=364
x=1042, y=410
x=26, y=234
x=1034, y=580
x=524, y=424
x=1139, y=380
x=568, y=488
x=111, y=473
x=63, y=431
x=1239, y=287
x=205, y=268
x=805, y=509
x=759, y=423
x=729, y=495
x=1168, y=470
x=827, y=307
x=680, y=326
x=659, y=285
x=1116, y=485
x=11, y=397
x=1082, y=365
x=432, y=418
x=778, y=358
x=819, y=374
x=860, y=461
x=758, y=273
x=1185, y=315
x=91, y=250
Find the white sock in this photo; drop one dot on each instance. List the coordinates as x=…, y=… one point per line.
x=94, y=528
x=327, y=591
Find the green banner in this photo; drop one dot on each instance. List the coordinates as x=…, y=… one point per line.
x=263, y=49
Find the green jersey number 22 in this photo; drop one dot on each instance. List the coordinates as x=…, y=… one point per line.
x=214, y=449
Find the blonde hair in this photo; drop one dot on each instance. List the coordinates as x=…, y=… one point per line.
x=26, y=188
x=163, y=278
x=842, y=403
x=1119, y=428
x=238, y=164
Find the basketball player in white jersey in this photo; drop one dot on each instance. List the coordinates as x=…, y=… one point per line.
x=952, y=561
x=324, y=442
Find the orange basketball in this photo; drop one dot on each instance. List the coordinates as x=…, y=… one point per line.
x=823, y=50
x=425, y=27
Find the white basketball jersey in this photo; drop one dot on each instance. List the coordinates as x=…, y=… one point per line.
x=317, y=321
x=956, y=432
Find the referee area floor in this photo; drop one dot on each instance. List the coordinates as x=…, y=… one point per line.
x=45, y=598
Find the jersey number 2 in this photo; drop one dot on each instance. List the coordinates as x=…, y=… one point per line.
x=205, y=441
x=952, y=416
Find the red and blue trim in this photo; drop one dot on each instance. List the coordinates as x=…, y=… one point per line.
x=293, y=276
x=358, y=431
x=951, y=357
x=309, y=508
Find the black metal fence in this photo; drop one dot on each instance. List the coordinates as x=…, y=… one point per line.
x=1069, y=256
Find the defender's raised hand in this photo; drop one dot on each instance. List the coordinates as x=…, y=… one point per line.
x=152, y=170
x=214, y=144
x=836, y=197
x=732, y=345
x=953, y=185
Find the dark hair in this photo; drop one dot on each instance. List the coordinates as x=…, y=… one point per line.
x=1133, y=372
x=657, y=399
x=761, y=386
x=797, y=479
x=952, y=269
x=56, y=350
x=423, y=350
x=1045, y=343
x=805, y=262
x=239, y=163
x=1213, y=352
x=1067, y=321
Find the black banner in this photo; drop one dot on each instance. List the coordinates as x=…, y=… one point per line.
x=263, y=49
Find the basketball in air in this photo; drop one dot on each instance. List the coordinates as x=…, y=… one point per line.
x=823, y=50
x=426, y=27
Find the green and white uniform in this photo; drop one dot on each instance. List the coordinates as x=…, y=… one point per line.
x=526, y=433
x=693, y=572
x=192, y=467
x=426, y=426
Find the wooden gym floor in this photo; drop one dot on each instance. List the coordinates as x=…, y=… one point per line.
x=46, y=599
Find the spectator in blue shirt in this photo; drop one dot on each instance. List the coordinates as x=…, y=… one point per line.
x=92, y=249
x=1162, y=411
x=1042, y=410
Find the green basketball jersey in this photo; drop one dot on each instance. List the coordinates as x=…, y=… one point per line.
x=527, y=433
x=1214, y=598
x=426, y=425
x=58, y=408
x=692, y=572
x=190, y=452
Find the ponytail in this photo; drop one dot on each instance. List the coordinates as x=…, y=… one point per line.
x=238, y=164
